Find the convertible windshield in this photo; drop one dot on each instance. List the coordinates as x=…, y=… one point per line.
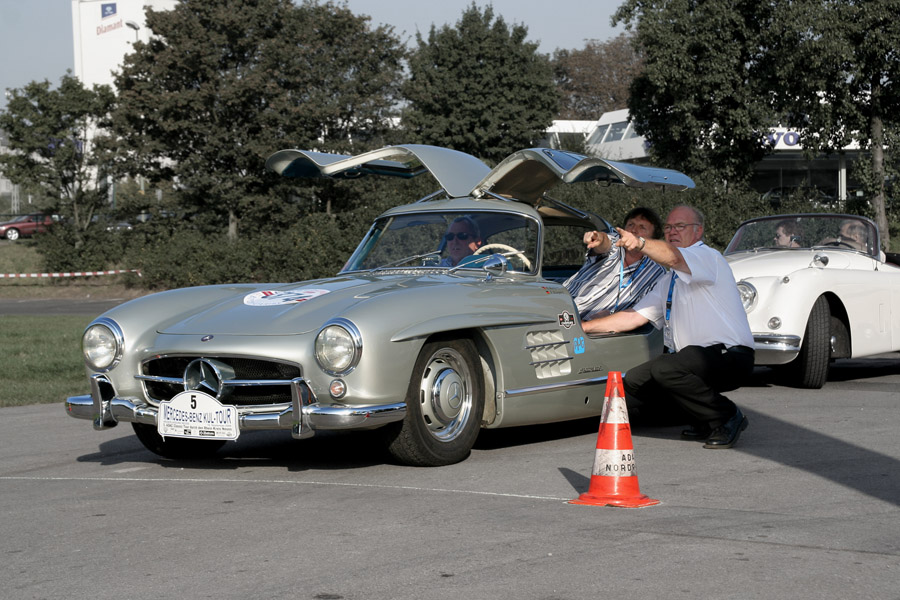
x=791, y=232
x=447, y=239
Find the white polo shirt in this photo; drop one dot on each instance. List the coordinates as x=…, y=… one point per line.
x=706, y=306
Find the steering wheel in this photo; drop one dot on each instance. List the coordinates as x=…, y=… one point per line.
x=517, y=253
x=841, y=243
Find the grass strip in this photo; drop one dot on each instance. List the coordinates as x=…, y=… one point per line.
x=41, y=358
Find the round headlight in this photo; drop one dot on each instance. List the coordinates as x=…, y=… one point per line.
x=338, y=347
x=748, y=295
x=102, y=345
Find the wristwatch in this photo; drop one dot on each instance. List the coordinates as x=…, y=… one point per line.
x=643, y=243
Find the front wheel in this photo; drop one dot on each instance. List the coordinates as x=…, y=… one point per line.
x=12, y=234
x=173, y=447
x=815, y=352
x=444, y=406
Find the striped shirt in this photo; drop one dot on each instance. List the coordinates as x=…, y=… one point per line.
x=599, y=285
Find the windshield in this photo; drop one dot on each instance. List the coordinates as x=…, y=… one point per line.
x=446, y=240
x=792, y=232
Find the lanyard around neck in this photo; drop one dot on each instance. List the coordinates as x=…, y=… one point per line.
x=623, y=284
x=669, y=298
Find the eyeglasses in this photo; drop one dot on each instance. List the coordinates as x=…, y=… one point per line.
x=679, y=227
x=461, y=236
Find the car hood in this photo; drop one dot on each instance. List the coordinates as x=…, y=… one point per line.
x=296, y=308
x=769, y=263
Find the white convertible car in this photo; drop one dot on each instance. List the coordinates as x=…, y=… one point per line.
x=816, y=287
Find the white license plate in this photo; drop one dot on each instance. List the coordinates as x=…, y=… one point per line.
x=197, y=415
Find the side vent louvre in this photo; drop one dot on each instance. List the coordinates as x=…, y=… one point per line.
x=549, y=353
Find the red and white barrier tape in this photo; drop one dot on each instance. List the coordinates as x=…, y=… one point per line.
x=73, y=274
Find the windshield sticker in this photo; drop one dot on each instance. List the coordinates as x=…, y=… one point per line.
x=273, y=298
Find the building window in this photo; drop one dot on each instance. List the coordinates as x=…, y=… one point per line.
x=616, y=131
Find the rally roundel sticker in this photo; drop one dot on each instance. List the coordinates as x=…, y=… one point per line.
x=280, y=298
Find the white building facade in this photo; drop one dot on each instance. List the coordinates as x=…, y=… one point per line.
x=613, y=137
x=104, y=33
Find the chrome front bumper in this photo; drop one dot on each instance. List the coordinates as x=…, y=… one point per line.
x=302, y=416
x=772, y=349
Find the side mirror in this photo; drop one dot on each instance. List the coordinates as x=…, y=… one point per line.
x=495, y=266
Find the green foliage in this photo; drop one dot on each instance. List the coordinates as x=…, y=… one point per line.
x=64, y=248
x=182, y=250
x=849, y=90
x=225, y=83
x=700, y=101
x=51, y=149
x=479, y=87
x=596, y=79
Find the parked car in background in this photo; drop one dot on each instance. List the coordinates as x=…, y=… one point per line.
x=25, y=226
x=816, y=287
x=398, y=340
x=111, y=224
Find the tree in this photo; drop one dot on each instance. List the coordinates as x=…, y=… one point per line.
x=839, y=64
x=596, y=79
x=224, y=83
x=701, y=101
x=479, y=87
x=52, y=146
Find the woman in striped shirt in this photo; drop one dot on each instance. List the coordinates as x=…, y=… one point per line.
x=612, y=278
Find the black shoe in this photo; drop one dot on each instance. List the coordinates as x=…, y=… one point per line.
x=726, y=435
x=696, y=433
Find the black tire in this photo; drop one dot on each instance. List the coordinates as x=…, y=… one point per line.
x=438, y=430
x=175, y=448
x=811, y=369
x=12, y=234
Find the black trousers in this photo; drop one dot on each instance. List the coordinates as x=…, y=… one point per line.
x=691, y=379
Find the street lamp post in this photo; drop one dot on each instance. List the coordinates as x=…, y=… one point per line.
x=135, y=26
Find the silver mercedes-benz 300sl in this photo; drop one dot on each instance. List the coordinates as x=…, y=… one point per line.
x=450, y=316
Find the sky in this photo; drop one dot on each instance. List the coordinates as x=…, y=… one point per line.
x=36, y=35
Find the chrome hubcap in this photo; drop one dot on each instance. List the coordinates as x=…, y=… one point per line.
x=445, y=395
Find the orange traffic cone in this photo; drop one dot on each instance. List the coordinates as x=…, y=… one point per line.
x=614, y=479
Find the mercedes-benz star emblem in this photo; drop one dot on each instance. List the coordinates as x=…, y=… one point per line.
x=208, y=376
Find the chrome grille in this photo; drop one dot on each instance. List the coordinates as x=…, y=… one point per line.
x=257, y=381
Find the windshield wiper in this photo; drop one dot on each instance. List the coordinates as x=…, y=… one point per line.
x=406, y=260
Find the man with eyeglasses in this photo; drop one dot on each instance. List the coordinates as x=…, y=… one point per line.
x=708, y=340
x=462, y=239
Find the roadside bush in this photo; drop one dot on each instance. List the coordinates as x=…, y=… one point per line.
x=183, y=257
x=63, y=249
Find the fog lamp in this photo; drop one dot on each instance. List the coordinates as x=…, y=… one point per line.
x=337, y=389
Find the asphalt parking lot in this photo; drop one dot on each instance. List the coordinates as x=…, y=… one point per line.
x=806, y=506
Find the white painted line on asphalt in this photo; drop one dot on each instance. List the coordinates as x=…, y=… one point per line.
x=289, y=482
